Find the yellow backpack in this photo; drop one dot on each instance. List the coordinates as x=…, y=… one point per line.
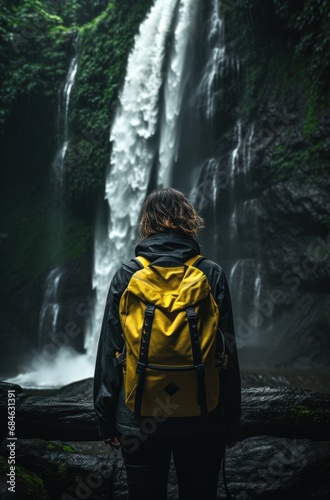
x=172, y=358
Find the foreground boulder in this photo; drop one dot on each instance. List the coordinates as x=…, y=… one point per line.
x=264, y=467
x=53, y=470
x=285, y=412
x=260, y=467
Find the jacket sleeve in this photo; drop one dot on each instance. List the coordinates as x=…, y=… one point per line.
x=107, y=376
x=230, y=380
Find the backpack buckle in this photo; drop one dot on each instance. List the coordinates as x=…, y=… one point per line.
x=222, y=361
x=140, y=367
x=191, y=313
x=119, y=359
x=150, y=309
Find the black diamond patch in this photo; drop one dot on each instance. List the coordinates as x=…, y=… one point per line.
x=171, y=388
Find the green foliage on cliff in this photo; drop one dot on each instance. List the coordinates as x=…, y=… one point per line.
x=285, y=44
x=103, y=49
x=77, y=12
x=32, y=53
x=286, y=162
x=38, y=40
x=284, y=79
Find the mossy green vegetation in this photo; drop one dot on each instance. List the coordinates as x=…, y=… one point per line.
x=33, y=50
x=68, y=449
x=27, y=482
x=303, y=412
x=50, y=479
x=103, y=48
x=62, y=470
x=287, y=163
x=57, y=446
x=31, y=483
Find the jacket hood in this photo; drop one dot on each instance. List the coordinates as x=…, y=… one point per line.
x=167, y=243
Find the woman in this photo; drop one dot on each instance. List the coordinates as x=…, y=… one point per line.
x=168, y=227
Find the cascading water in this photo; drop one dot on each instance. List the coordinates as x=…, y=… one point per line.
x=144, y=135
x=216, y=61
x=63, y=113
x=51, y=306
x=222, y=189
x=245, y=273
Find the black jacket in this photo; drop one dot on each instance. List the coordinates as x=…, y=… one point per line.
x=113, y=415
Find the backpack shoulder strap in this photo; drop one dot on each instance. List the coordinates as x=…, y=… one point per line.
x=221, y=355
x=194, y=261
x=142, y=261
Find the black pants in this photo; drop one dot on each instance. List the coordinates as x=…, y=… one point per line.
x=197, y=461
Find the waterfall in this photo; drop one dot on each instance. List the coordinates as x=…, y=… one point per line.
x=223, y=190
x=175, y=83
x=144, y=134
x=245, y=277
x=234, y=157
x=51, y=304
x=213, y=175
x=216, y=61
x=63, y=114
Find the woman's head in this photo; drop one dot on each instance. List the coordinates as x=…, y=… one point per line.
x=167, y=209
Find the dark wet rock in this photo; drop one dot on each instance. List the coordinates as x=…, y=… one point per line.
x=5, y=387
x=272, y=468
x=81, y=388
x=57, y=471
x=314, y=380
x=275, y=411
x=286, y=412
x=67, y=419
x=262, y=380
x=50, y=417
x=259, y=467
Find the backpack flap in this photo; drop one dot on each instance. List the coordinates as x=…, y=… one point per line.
x=169, y=288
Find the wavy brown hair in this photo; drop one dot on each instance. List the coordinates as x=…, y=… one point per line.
x=165, y=209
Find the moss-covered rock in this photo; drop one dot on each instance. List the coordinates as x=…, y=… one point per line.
x=28, y=484
x=53, y=470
